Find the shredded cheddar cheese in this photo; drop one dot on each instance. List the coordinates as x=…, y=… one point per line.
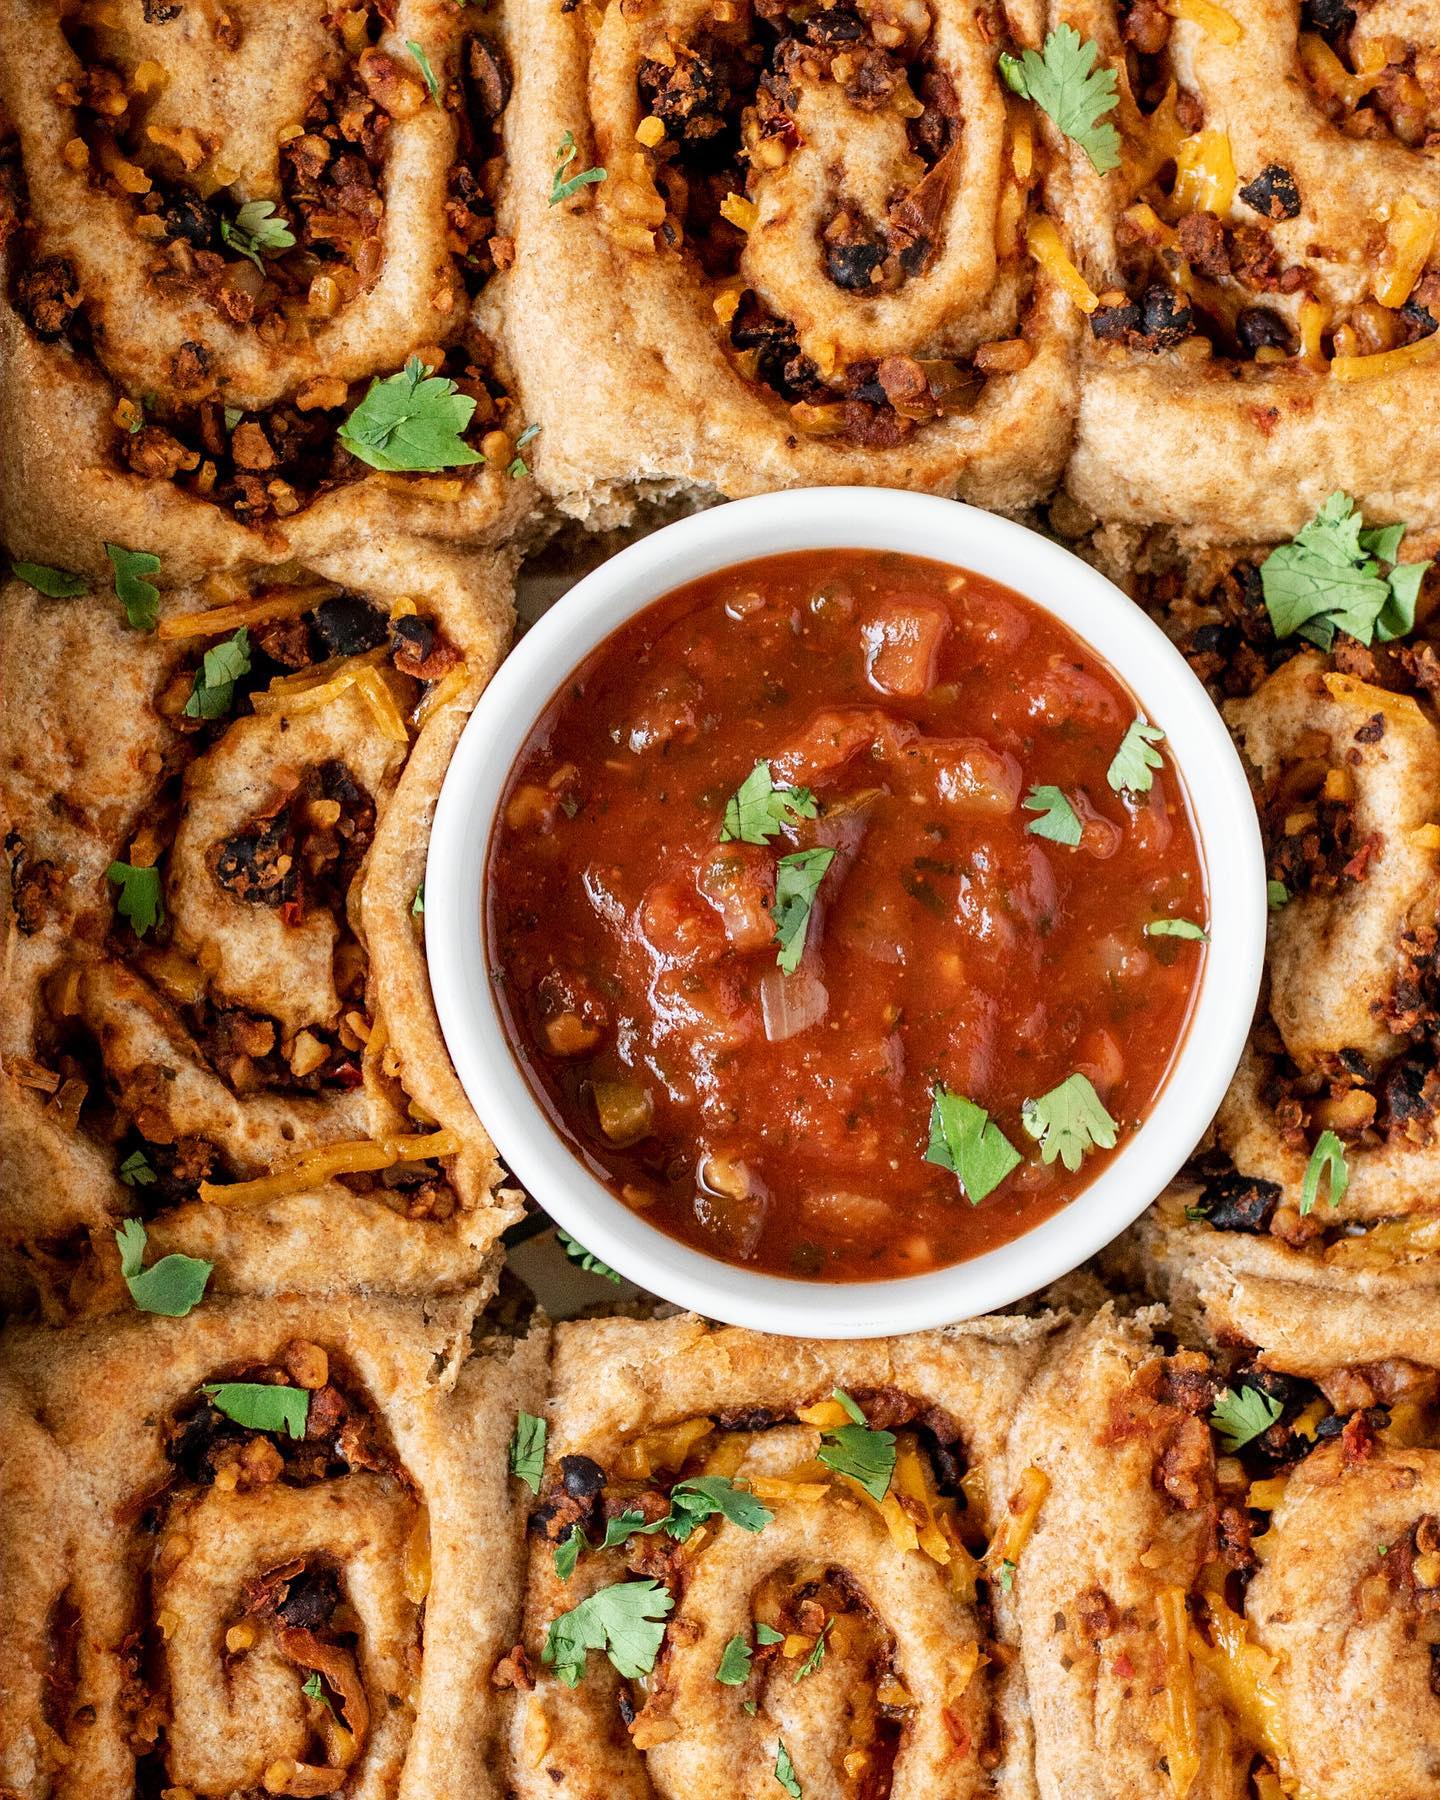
x=1386, y=362
x=291, y=694
x=741, y=213
x=662, y=1447
x=1182, y=1713
x=1211, y=19
x=1205, y=178
x=1410, y=232
x=1013, y=1532
x=1331, y=76
x=263, y=609
x=449, y=687
x=1043, y=242
x=358, y=1157
x=1243, y=1672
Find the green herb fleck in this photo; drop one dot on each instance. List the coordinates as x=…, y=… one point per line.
x=797, y=880
x=1241, y=1416
x=174, y=1286
x=1327, y=1159
x=1058, y=821
x=140, y=598
x=1068, y=1121
x=1177, y=928
x=254, y=228
x=260, y=1407
x=785, y=1771
x=55, y=584
x=734, y=1669
x=1006, y=1575
x=855, y=1450
x=527, y=1449
x=214, y=691
x=563, y=186
x=1136, y=758
x=1276, y=895
x=411, y=421
x=965, y=1140
x=417, y=905
x=139, y=900
x=624, y=1621
x=579, y=1254
x=813, y=1661
x=758, y=810
x=135, y=1171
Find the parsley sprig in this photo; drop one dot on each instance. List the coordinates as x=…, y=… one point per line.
x=1068, y=1121
x=692, y=1501
x=259, y=1406
x=965, y=1140
x=411, y=421
x=758, y=810
x=1064, y=83
x=139, y=897
x=590, y=1263
x=1330, y=578
x=1132, y=771
x=54, y=584
x=562, y=186
x=139, y=597
x=527, y=1449
x=1327, y=1160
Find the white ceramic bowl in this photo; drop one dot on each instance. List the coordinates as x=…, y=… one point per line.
x=845, y=518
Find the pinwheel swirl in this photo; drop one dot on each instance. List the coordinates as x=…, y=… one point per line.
x=251, y=1063
x=1233, y=1584
x=1263, y=264
x=197, y=1604
x=864, y=1628
x=218, y=228
x=806, y=260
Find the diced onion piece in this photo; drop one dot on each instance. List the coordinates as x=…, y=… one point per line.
x=361, y=1156
x=1043, y=242
x=625, y=1110
x=1212, y=19
x=791, y=1004
x=1182, y=1721
x=263, y=609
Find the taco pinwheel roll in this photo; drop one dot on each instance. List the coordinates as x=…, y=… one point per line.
x=218, y=1020
x=1232, y=1587
x=218, y=229
x=788, y=1594
x=1262, y=264
x=806, y=260
x=1326, y=1148
x=271, y=1548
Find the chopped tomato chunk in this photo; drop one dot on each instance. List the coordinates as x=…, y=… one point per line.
x=902, y=638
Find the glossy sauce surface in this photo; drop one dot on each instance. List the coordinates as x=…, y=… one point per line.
x=782, y=1120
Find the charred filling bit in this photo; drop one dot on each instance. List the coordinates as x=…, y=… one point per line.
x=303, y=1606
x=475, y=176
x=36, y=885
x=61, y=1681
x=306, y=851
x=726, y=102
x=1190, y=278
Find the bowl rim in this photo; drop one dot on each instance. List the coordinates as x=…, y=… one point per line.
x=1109, y=623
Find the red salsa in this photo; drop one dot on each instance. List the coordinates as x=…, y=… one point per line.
x=845, y=913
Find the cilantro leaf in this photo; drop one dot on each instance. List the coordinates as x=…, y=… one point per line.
x=965, y=1140
x=579, y=1254
x=214, y=691
x=527, y=1449
x=256, y=227
x=1329, y=579
x=312, y=1690
x=1177, y=928
x=1059, y=821
x=623, y=1621
x=785, y=1771
x=797, y=880
x=848, y=1406
x=140, y=598
x=135, y=1171
x=700, y=1497
x=1328, y=1159
x=855, y=1450
x=1005, y=1575
x=418, y=52
x=1064, y=82
x=734, y=1669
x=519, y=466
x=561, y=186
x=758, y=809
x=417, y=905
x=411, y=421
x=174, y=1286
x=139, y=900
x=813, y=1661
x=1276, y=895
x=767, y=1634
x=1068, y=1121
x=261, y=1407
x=55, y=584
x=1239, y=1417
x=1136, y=758
x=622, y=1526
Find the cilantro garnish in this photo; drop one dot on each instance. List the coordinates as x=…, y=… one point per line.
x=417, y=905
x=1327, y=1159
x=140, y=598
x=1136, y=758
x=692, y=1501
x=579, y=1254
x=135, y=1171
x=1005, y=1575
x=757, y=810
x=1068, y=1121
x=1241, y=1416
x=1064, y=82
x=527, y=1449
x=1329, y=579
x=173, y=1286
x=563, y=186
x=797, y=880
x=1058, y=821
x=214, y=690
x=312, y=1690
x=855, y=1450
x=259, y=1406
x=734, y=1668
x=785, y=1771
x=622, y=1526
x=813, y=1661
x=411, y=421
x=1276, y=895
x=232, y=416
x=418, y=52
x=55, y=584
x=254, y=228
x=964, y=1139
x=623, y=1621
x=139, y=900
x=767, y=1634
x=519, y=466
x=1177, y=928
